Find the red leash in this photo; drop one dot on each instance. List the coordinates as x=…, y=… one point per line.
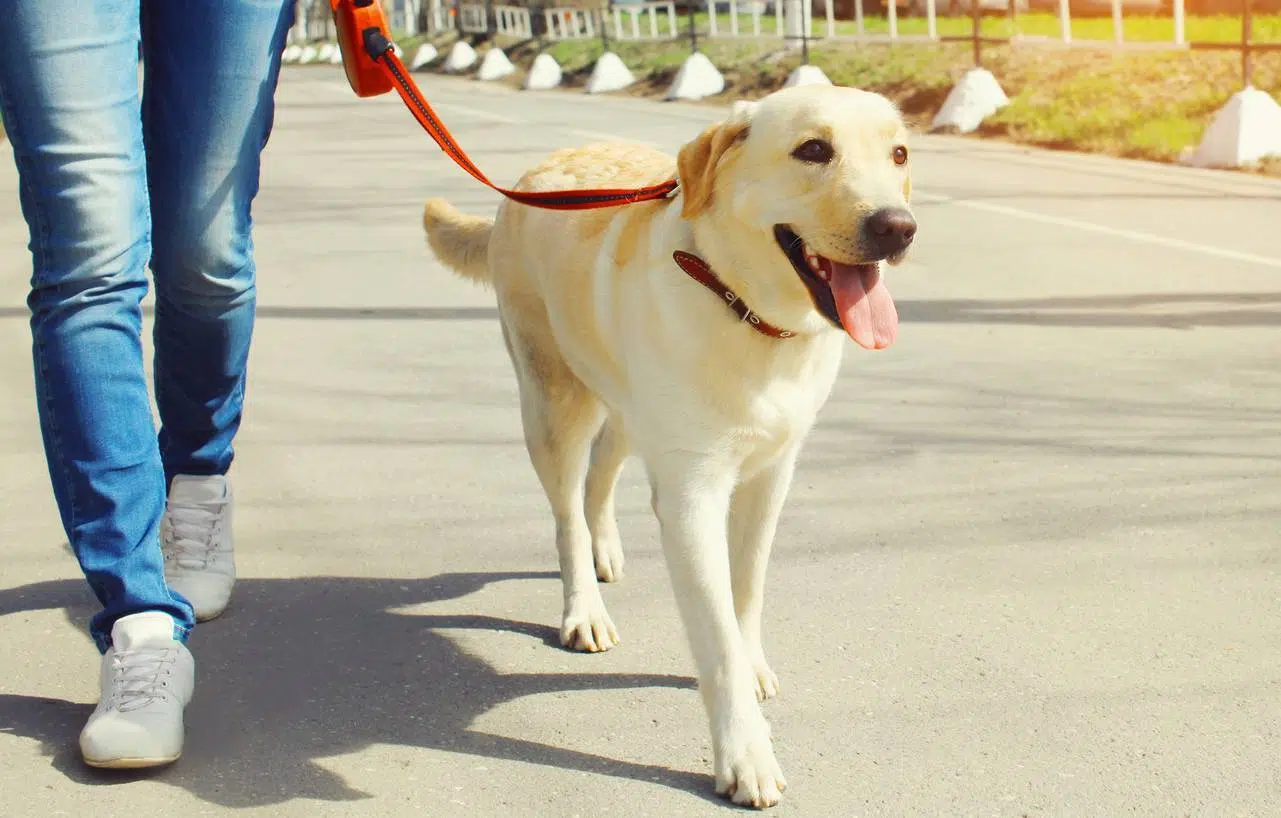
x=373, y=68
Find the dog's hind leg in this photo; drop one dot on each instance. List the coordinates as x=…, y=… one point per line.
x=753, y=520
x=560, y=418
x=608, y=454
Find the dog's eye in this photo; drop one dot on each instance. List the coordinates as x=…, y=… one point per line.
x=816, y=151
x=900, y=155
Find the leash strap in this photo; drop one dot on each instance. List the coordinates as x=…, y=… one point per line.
x=381, y=51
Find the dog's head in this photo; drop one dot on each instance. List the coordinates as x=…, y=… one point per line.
x=803, y=194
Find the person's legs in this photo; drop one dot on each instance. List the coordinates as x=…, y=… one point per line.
x=210, y=77
x=69, y=93
x=69, y=90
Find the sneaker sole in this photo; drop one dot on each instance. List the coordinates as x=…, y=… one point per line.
x=130, y=763
x=206, y=613
x=205, y=616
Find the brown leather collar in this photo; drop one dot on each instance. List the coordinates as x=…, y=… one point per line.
x=698, y=270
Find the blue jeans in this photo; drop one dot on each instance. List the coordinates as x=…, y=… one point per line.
x=111, y=181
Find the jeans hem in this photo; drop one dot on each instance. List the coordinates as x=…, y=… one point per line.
x=102, y=640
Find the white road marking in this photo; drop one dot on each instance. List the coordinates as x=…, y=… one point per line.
x=467, y=110
x=610, y=137
x=1118, y=232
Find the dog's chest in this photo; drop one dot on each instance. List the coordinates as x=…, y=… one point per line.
x=779, y=405
x=781, y=410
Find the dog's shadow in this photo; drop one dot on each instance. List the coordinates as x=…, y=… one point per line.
x=304, y=669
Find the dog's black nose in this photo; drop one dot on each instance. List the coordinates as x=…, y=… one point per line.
x=890, y=230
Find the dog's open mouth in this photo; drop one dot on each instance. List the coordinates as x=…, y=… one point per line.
x=851, y=296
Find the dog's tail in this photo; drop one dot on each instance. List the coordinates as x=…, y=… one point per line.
x=459, y=240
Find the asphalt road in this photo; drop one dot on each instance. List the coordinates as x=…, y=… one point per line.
x=1029, y=566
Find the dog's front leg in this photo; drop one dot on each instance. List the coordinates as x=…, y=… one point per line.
x=691, y=501
x=753, y=519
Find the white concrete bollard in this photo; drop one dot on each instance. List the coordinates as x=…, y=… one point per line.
x=1245, y=130
x=697, y=78
x=545, y=73
x=494, y=66
x=425, y=54
x=460, y=58
x=609, y=74
x=807, y=75
x=976, y=97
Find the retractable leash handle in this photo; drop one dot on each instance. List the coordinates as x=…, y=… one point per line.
x=353, y=18
x=373, y=68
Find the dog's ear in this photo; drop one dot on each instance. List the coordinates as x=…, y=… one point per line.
x=696, y=163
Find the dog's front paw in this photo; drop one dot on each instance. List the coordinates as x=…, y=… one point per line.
x=749, y=774
x=587, y=626
x=607, y=549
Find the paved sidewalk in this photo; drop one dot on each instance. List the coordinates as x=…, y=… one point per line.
x=1030, y=564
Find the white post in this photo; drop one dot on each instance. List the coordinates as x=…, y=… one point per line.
x=931, y=18
x=794, y=22
x=299, y=32
x=1118, y=24
x=858, y=17
x=1180, y=36
x=733, y=17
x=411, y=20
x=829, y=8
x=891, y=8
x=1065, y=21
x=711, y=18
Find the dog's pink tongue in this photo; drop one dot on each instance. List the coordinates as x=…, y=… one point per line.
x=864, y=304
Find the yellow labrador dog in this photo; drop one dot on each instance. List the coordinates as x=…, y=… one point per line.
x=702, y=333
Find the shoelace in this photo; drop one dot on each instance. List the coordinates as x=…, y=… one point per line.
x=192, y=530
x=139, y=675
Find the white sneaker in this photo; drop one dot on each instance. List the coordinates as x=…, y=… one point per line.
x=195, y=536
x=147, y=679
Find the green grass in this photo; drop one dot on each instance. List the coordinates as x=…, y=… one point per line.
x=1135, y=28
x=1141, y=105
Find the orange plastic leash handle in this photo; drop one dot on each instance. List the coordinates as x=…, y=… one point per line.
x=373, y=68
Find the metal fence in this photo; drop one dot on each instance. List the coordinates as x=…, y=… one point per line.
x=791, y=21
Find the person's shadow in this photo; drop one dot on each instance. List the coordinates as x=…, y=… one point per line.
x=309, y=668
